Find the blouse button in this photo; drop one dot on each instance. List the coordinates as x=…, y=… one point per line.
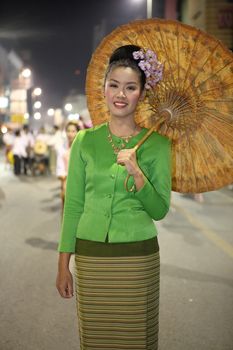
x=109, y=195
x=112, y=176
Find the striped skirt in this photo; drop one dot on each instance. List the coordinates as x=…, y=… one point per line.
x=117, y=293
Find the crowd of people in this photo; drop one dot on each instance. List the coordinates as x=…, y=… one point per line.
x=18, y=149
x=40, y=152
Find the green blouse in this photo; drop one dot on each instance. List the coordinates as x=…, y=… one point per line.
x=97, y=203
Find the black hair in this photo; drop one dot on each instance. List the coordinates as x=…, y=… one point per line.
x=74, y=124
x=123, y=57
x=25, y=127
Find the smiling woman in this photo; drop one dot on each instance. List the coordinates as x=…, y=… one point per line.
x=111, y=230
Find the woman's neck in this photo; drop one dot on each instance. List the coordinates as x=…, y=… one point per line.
x=123, y=127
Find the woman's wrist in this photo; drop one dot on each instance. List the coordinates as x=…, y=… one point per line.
x=138, y=174
x=64, y=261
x=139, y=179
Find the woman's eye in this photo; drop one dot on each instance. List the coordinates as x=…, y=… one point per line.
x=113, y=85
x=132, y=88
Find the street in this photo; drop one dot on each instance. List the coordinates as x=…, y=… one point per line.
x=196, y=246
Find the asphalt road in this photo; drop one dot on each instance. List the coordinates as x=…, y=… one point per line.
x=196, y=242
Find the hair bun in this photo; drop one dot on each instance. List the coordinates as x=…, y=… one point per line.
x=124, y=52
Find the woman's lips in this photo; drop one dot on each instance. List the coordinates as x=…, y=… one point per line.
x=120, y=104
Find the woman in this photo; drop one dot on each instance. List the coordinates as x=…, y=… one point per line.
x=63, y=155
x=18, y=151
x=111, y=230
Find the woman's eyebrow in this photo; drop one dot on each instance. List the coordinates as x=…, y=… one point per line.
x=128, y=82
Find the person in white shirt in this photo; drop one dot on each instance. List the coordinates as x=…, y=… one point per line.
x=19, y=152
x=55, y=142
x=63, y=154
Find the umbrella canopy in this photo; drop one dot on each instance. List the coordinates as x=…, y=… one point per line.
x=197, y=90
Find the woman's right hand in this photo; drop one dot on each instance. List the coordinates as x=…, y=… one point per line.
x=64, y=283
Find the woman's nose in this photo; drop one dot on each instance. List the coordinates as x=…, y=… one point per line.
x=121, y=93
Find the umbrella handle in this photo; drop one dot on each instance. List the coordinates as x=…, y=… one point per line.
x=140, y=142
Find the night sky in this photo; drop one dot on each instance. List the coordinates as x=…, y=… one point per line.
x=57, y=40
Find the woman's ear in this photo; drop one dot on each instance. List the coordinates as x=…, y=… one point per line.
x=143, y=95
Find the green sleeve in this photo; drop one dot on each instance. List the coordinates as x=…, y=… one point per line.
x=156, y=193
x=74, y=197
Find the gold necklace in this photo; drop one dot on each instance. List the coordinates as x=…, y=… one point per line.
x=117, y=149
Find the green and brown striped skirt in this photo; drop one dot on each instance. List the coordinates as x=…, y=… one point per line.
x=117, y=292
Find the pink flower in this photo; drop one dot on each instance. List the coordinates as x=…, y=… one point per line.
x=138, y=55
x=149, y=64
x=151, y=55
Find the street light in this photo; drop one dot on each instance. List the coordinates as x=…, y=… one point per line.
x=4, y=129
x=50, y=112
x=37, y=104
x=37, y=91
x=37, y=115
x=26, y=73
x=68, y=107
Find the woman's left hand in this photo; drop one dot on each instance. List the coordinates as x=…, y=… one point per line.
x=127, y=157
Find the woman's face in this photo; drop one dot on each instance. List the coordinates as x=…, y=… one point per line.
x=71, y=132
x=122, y=91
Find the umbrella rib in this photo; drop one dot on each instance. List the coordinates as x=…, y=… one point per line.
x=190, y=61
x=217, y=141
x=220, y=100
x=147, y=39
x=223, y=115
x=165, y=50
x=174, y=99
x=213, y=74
x=188, y=141
x=193, y=80
x=224, y=132
x=213, y=89
x=183, y=107
x=203, y=137
x=204, y=160
x=191, y=157
x=171, y=97
x=218, y=118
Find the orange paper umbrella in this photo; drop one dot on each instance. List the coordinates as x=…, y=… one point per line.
x=196, y=92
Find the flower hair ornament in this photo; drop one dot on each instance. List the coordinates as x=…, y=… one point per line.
x=149, y=64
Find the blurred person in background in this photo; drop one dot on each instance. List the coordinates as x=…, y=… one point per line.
x=40, y=152
x=84, y=124
x=55, y=141
x=63, y=155
x=19, y=152
x=198, y=197
x=29, y=141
